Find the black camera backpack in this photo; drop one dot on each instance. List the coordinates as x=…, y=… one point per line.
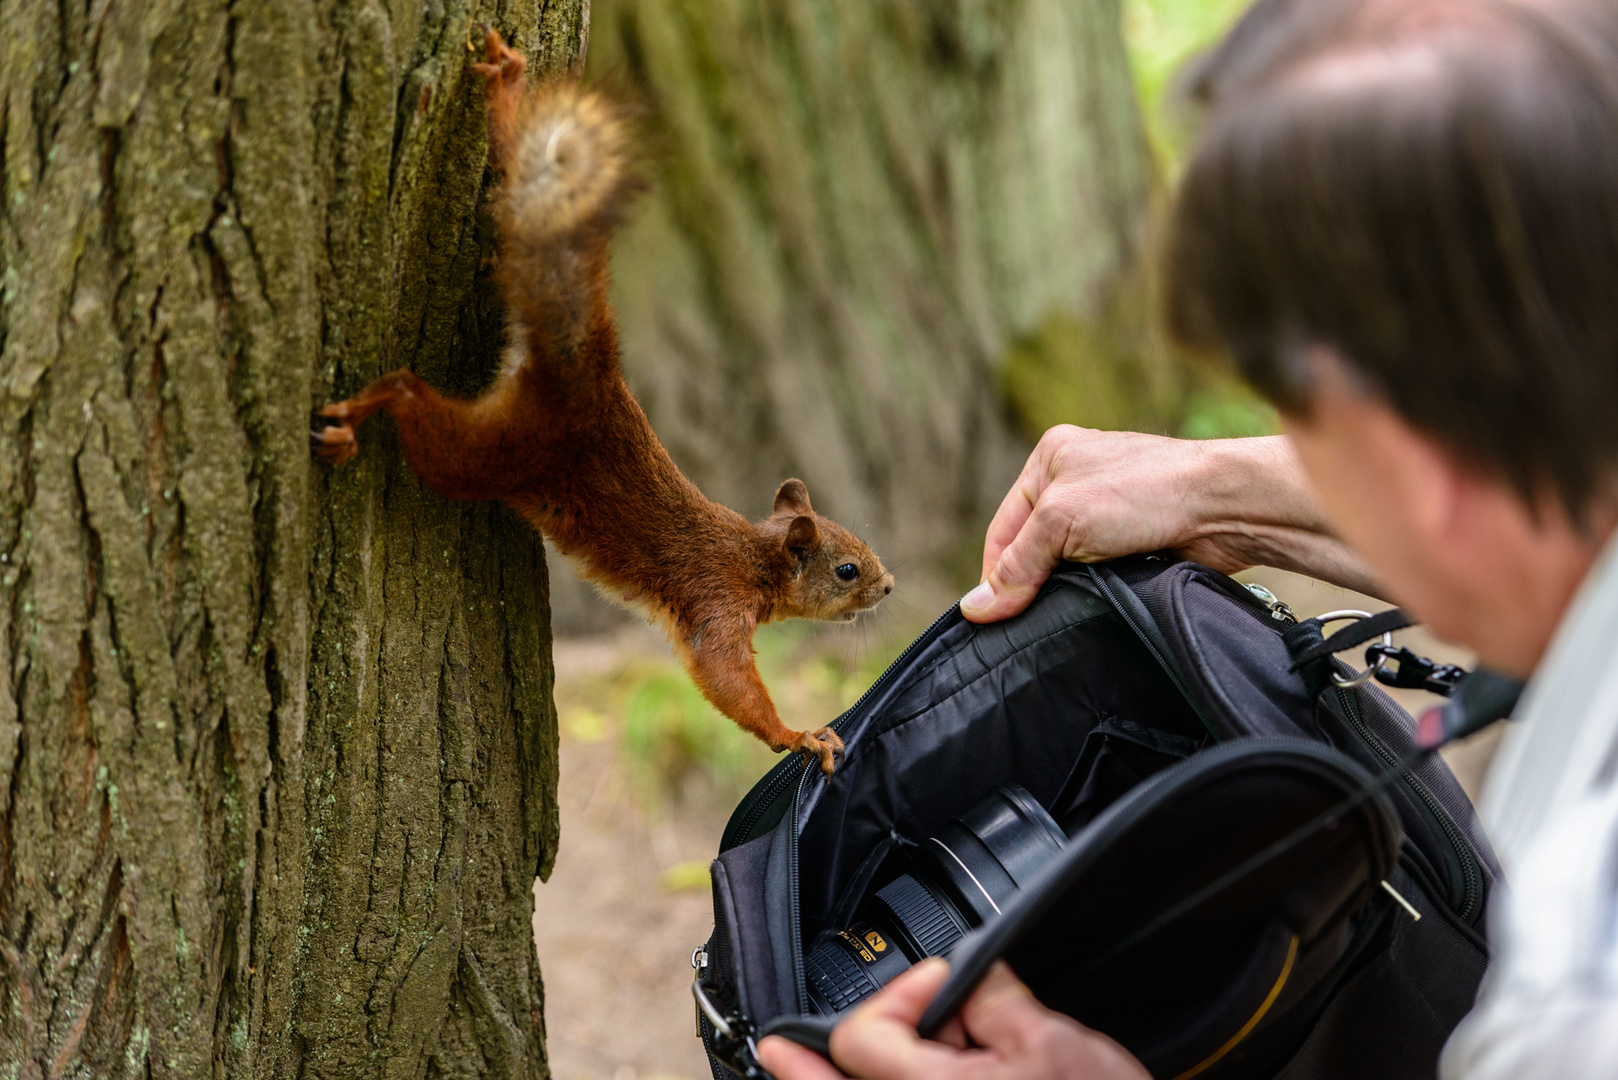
x=1186, y=686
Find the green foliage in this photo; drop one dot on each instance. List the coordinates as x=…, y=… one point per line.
x=1075, y=371
x=1161, y=36
x=669, y=730
x=1227, y=409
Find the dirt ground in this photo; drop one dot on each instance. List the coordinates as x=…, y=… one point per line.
x=628, y=901
x=614, y=940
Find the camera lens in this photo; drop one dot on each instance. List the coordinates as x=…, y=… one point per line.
x=931, y=897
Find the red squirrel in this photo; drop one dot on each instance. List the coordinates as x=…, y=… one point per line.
x=559, y=437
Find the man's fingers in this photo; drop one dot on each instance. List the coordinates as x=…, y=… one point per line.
x=878, y=1040
x=786, y=1060
x=953, y=1033
x=1022, y=568
x=1010, y=518
x=998, y=1013
x=907, y=996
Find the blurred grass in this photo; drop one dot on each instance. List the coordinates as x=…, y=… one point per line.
x=675, y=747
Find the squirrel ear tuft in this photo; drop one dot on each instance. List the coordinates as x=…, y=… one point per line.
x=793, y=495
x=802, y=534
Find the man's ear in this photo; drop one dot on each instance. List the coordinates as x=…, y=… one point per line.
x=794, y=496
x=802, y=534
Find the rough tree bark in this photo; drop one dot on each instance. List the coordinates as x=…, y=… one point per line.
x=866, y=207
x=277, y=748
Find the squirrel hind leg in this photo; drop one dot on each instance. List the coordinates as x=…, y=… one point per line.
x=336, y=442
x=504, y=85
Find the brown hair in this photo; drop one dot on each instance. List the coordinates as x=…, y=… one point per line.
x=1430, y=187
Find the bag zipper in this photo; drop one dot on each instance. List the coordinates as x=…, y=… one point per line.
x=800, y=984
x=1473, y=879
x=1279, y=611
x=782, y=776
x=779, y=778
x=1469, y=870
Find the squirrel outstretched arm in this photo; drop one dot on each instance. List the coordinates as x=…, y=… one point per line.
x=560, y=438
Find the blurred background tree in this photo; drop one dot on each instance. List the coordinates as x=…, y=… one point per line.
x=864, y=207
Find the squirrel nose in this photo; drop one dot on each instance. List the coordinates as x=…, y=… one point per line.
x=887, y=584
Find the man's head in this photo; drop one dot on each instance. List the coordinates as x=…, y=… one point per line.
x=1402, y=223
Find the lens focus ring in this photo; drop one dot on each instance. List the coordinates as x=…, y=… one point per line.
x=928, y=922
x=836, y=977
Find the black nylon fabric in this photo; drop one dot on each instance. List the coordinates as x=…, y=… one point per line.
x=1238, y=670
x=1071, y=666
x=1126, y=667
x=741, y=903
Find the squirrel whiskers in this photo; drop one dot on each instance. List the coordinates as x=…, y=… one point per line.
x=561, y=439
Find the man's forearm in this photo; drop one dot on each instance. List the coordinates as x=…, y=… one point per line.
x=1255, y=501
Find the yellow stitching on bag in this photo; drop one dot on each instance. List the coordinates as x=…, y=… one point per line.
x=1252, y=1021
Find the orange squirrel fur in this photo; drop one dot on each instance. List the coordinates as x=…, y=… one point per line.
x=560, y=438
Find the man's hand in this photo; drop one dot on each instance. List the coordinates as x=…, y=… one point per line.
x=1092, y=495
x=1013, y=1037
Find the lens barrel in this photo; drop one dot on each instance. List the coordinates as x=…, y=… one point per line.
x=933, y=896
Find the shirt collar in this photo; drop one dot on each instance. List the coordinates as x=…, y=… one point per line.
x=1562, y=739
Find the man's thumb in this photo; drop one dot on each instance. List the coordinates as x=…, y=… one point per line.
x=1010, y=587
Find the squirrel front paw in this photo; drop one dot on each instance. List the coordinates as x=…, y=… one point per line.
x=822, y=744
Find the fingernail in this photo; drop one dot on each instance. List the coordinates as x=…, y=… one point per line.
x=978, y=599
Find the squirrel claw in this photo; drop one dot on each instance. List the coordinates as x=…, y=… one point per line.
x=503, y=66
x=823, y=745
x=335, y=442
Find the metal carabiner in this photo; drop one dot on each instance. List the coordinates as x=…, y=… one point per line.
x=1370, y=672
x=711, y=1011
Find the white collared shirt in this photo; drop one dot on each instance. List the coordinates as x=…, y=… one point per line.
x=1548, y=1007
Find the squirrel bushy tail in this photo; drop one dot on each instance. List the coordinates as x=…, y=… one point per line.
x=572, y=164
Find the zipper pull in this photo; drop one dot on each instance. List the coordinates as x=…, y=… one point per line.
x=1279, y=611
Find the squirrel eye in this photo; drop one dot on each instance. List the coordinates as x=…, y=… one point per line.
x=848, y=571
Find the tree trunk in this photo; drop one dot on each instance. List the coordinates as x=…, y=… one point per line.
x=277, y=747
x=880, y=223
